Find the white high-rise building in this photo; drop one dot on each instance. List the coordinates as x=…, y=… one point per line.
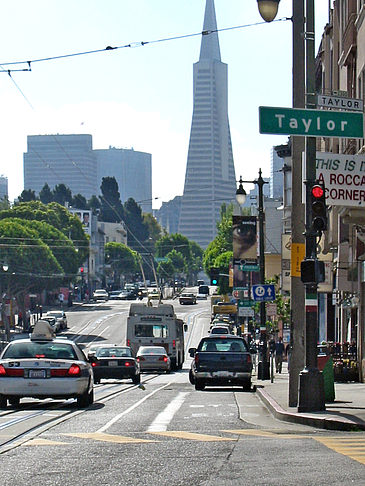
x=3, y=187
x=210, y=176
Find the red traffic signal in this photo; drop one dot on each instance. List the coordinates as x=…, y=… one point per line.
x=318, y=207
x=81, y=269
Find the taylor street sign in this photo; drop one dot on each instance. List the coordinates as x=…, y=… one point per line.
x=263, y=293
x=350, y=104
x=311, y=123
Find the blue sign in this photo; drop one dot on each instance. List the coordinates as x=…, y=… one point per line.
x=263, y=293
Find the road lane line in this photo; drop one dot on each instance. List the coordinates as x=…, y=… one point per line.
x=130, y=409
x=181, y=434
x=163, y=419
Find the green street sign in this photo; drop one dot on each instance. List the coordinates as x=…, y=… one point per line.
x=249, y=267
x=311, y=123
x=245, y=303
x=161, y=259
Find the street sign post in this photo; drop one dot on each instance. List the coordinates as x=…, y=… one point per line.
x=310, y=123
x=263, y=293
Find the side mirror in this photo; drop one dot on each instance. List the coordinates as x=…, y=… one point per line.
x=192, y=352
x=185, y=327
x=91, y=355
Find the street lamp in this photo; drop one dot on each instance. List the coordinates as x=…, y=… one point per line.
x=241, y=198
x=268, y=9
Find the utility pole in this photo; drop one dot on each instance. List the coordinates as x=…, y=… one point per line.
x=297, y=218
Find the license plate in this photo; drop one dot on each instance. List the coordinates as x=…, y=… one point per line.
x=37, y=373
x=113, y=363
x=222, y=374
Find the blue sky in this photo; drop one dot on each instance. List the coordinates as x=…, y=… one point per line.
x=139, y=97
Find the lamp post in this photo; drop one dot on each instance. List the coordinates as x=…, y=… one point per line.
x=241, y=198
x=311, y=385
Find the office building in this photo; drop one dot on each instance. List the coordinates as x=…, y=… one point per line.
x=210, y=176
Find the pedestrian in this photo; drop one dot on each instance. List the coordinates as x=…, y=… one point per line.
x=27, y=320
x=61, y=298
x=20, y=318
x=279, y=351
x=40, y=311
x=37, y=311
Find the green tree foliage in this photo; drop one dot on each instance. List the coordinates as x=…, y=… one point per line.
x=137, y=229
x=94, y=204
x=46, y=195
x=111, y=210
x=27, y=195
x=4, y=203
x=177, y=259
x=123, y=260
x=31, y=264
x=222, y=262
x=79, y=202
x=62, y=194
x=166, y=270
x=55, y=215
x=171, y=242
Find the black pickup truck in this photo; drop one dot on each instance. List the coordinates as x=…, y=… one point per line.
x=221, y=360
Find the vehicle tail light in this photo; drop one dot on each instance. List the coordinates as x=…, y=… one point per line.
x=94, y=363
x=163, y=358
x=196, y=358
x=11, y=371
x=173, y=343
x=249, y=359
x=127, y=363
x=128, y=342
x=74, y=370
x=140, y=358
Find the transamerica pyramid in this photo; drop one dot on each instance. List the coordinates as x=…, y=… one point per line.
x=210, y=176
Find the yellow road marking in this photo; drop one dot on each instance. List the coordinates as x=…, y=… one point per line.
x=119, y=439
x=257, y=433
x=44, y=442
x=351, y=447
x=191, y=436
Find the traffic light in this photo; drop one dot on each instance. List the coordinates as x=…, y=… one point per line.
x=312, y=271
x=214, y=276
x=81, y=269
x=318, y=207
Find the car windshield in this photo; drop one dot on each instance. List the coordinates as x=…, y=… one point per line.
x=55, y=314
x=223, y=345
x=51, y=350
x=113, y=352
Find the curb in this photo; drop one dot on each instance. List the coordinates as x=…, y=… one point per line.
x=328, y=423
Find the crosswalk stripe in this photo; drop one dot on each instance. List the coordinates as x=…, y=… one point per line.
x=191, y=436
x=256, y=433
x=119, y=439
x=351, y=447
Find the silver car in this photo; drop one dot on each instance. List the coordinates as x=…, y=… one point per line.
x=153, y=358
x=60, y=316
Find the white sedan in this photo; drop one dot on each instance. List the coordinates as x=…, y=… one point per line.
x=44, y=366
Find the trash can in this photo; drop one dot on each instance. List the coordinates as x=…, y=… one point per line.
x=325, y=364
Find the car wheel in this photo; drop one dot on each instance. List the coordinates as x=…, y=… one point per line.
x=83, y=400
x=14, y=402
x=199, y=385
x=3, y=402
x=246, y=385
x=136, y=379
x=191, y=378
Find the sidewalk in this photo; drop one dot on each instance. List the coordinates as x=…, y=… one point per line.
x=347, y=412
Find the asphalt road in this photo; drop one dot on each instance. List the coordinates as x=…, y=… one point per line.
x=166, y=433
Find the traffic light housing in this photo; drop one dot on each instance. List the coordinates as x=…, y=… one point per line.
x=318, y=207
x=214, y=276
x=312, y=271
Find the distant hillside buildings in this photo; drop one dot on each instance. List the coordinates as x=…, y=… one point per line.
x=71, y=160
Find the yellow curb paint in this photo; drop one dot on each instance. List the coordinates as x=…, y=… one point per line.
x=191, y=436
x=119, y=439
x=44, y=442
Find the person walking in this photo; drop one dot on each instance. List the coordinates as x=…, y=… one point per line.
x=61, y=298
x=279, y=351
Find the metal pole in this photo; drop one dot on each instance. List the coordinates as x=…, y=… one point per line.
x=265, y=372
x=311, y=385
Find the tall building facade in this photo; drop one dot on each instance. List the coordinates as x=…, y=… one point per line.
x=71, y=160
x=276, y=175
x=132, y=171
x=4, y=187
x=210, y=176
x=60, y=159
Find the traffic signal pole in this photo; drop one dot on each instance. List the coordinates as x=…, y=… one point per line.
x=311, y=385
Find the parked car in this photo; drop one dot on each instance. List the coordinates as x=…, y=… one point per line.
x=100, y=294
x=44, y=366
x=153, y=358
x=113, y=361
x=221, y=360
x=60, y=316
x=187, y=298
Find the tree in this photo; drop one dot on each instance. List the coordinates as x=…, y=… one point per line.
x=137, y=230
x=27, y=195
x=79, y=202
x=94, y=204
x=46, y=195
x=123, y=260
x=4, y=203
x=111, y=210
x=171, y=242
x=62, y=194
x=166, y=270
x=177, y=259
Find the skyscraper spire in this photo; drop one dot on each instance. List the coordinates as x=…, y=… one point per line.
x=210, y=178
x=210, y=43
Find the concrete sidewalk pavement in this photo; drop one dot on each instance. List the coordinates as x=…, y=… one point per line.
x=347, y=412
